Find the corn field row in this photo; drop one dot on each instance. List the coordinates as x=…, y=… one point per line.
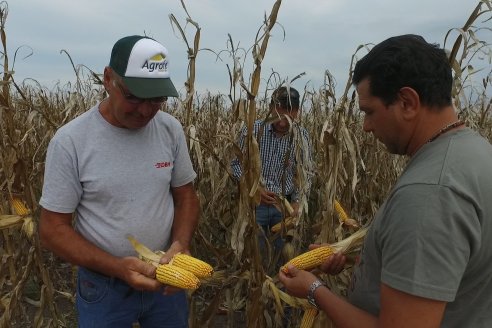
x=350, y=167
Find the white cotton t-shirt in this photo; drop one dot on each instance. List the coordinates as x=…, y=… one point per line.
x=116, y=180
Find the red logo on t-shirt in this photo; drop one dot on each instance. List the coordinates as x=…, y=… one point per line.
x=160, y=165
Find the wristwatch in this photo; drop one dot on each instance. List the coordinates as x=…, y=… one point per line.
x=312, y=289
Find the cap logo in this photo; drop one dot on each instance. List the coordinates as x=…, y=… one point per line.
x=157, y=62
x=143, y=64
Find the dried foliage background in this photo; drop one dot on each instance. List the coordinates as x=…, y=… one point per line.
x=37, y=289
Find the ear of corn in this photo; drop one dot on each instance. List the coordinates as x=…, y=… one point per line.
x=310, y=259
x=19, y=207
x=308, y=317
x=287, y=222
x=198, y=267
x=315, y=257
x=340, y=211
x=343, y=216
x=169, y=274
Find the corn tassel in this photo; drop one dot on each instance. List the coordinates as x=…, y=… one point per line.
x=19, y=207
x=198, y=267
x=308, y=317
x=172, y=275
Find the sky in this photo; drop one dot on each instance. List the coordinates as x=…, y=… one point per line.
x=311, y=37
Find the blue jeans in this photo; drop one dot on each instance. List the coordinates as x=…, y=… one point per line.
x=267, y=216
x=105, y=302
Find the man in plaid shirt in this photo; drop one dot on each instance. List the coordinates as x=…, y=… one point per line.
x=285, y=152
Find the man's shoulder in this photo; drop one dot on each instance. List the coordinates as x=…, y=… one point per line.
x=163, y=118
x=78, y=125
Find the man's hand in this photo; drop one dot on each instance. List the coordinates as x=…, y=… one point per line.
x=297, y=281
x=175, y=248
x=268, y=197
x=138, y=274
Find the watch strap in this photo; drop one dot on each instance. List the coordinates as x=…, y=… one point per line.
x=312, y=288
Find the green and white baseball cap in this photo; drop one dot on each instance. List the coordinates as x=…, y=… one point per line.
x=143, y=64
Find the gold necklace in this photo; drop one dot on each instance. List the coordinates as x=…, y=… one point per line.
x=446, y=129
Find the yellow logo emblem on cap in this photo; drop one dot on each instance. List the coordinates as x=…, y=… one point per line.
x=157, y=62
x=158, y=57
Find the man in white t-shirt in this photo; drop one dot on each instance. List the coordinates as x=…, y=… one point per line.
x=122, y=168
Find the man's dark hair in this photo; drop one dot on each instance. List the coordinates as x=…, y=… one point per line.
x=407, y=61
x=285, y=97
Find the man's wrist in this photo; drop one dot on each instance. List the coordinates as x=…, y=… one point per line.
x=312, y=289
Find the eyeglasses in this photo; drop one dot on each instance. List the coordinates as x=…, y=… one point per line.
x=134, y=100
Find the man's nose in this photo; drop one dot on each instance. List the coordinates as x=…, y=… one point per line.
x=146, y=109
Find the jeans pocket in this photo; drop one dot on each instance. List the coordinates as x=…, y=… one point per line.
x=92, y=287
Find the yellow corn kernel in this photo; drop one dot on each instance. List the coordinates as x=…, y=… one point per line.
x=308, y=317
x=310, y=259
x=341, y=212
x=288, y=223
x=169, y=274
x=198, y=267
x=19, y=207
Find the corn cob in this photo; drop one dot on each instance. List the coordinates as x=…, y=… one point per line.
x=288, y=223
x=198, y=267
x=19, y=207
x=341, y=212
x=169, y=274
x=308, y=317
x=310, y=259
x=343, y=217
x=315, y=257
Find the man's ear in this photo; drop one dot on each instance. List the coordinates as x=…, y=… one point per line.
x=107, y=77
x=409, y=101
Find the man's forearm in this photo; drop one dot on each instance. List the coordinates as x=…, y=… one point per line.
x=342, y=313
x=186, y=215
x=185, y=223
x=58, y=236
